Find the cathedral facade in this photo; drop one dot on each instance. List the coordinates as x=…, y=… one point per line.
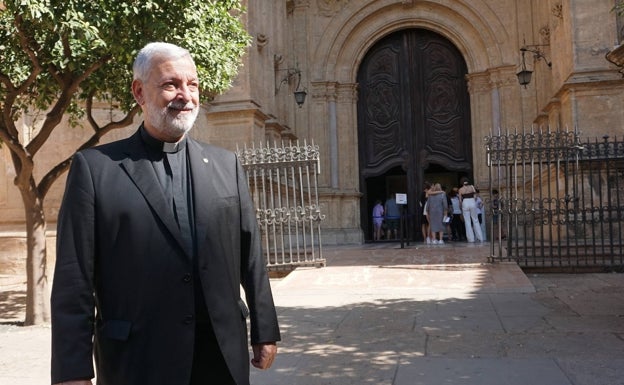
x=399, y=92
x=404, y=91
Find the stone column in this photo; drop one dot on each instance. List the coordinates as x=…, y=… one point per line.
x=483, y=117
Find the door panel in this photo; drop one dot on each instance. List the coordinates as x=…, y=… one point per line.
x=413, y=113
x=383, y=145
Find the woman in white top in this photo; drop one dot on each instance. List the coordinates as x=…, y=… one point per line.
x=467, y=193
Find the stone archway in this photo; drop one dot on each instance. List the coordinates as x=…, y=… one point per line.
x=472, y=28
x=413, y=119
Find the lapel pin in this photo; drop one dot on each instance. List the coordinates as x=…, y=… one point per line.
x=205, y=160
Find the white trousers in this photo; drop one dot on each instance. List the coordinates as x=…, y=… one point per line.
x=471, y=220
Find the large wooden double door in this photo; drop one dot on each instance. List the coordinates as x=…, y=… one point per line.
x=413, y=120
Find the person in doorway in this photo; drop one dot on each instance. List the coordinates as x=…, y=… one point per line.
x=467, y=194
x=393, y=215
x=437, y=210
x=479, y=204
x=378, y=218
x=423, y=218
x=458, y=231
x=156, y=235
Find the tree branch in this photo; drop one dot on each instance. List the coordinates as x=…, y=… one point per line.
x=59, y=169
x=54, y=117
x=25, y=42
x=4, y=79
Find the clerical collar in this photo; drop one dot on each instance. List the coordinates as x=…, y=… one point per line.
x=159, y=145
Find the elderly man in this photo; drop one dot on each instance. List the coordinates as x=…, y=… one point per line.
x=156, y=235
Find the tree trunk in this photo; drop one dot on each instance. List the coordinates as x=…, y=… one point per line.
x=37, y=291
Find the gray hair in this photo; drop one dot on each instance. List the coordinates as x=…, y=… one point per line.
x=157, y=50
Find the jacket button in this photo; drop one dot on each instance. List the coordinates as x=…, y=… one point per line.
x=187, y=278
x=188, y=319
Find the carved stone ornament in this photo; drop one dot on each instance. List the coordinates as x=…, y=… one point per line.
x=329, y=8
x=545, y=34
x=557, y=11
x=261, y=41
x=277, y=60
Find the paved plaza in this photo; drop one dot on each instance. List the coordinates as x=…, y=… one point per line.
x=384, y=315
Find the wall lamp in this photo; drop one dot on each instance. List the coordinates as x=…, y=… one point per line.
x=524, y=76
x=300, y=95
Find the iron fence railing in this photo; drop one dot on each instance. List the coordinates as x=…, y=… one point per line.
x=283, y=181
x=560, y=202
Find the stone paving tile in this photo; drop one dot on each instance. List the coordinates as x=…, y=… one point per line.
x=381, y=315
x=466, y=371
x=564, y=345
x=590, y=371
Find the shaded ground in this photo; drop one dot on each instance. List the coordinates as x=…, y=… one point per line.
x=422, y=315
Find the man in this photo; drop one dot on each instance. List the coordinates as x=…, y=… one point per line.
x=393, y=216
x=156, y=234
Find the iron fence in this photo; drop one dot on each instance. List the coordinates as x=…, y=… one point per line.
x=283, y=181
x=561, y=200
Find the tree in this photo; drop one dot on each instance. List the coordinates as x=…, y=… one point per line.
x=59, y=56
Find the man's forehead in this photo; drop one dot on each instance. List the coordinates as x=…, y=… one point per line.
x=181, y=66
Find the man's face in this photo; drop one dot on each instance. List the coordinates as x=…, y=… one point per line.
x=169, y=98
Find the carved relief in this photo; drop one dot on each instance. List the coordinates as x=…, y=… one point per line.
x=443, y=111
x=414, y=107
x=383, y=100
x=545, y=34
x=261, y=41
x=557, y=11
x=277, y=60
x=329, y=8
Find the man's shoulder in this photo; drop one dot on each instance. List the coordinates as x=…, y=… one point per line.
x=212, y=147
x=213, y=150
x=115, y=150
x=108, y=148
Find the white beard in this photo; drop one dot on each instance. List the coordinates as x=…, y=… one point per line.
x=167, y=122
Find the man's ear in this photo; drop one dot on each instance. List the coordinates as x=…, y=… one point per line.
x=137, y=92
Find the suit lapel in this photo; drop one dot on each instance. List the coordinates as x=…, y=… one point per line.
x=203, y=188
x=140, y=169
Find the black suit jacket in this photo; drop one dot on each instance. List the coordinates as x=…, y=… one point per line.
x=119, y=250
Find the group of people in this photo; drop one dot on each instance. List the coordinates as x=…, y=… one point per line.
x=460, y=211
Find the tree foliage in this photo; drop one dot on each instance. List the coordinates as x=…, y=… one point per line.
x=47, y=44
x=57, y=57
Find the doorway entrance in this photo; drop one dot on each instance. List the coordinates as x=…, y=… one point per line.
x=413, y=121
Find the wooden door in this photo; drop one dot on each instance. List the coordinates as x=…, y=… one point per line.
x=413, y=116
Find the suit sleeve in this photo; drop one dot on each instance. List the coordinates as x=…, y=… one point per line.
x=72, y=299
x=254, y=278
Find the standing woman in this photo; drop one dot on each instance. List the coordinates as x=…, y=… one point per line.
x=437, y=209
x=378, y=217
x=423, y=208
x=467, y=193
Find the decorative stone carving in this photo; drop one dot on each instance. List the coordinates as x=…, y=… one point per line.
x=261, y=41
x=557, y=11
x=277, y=60
x=545, y=34
x=329, y=8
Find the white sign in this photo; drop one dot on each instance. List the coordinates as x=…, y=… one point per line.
x=401, y=199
